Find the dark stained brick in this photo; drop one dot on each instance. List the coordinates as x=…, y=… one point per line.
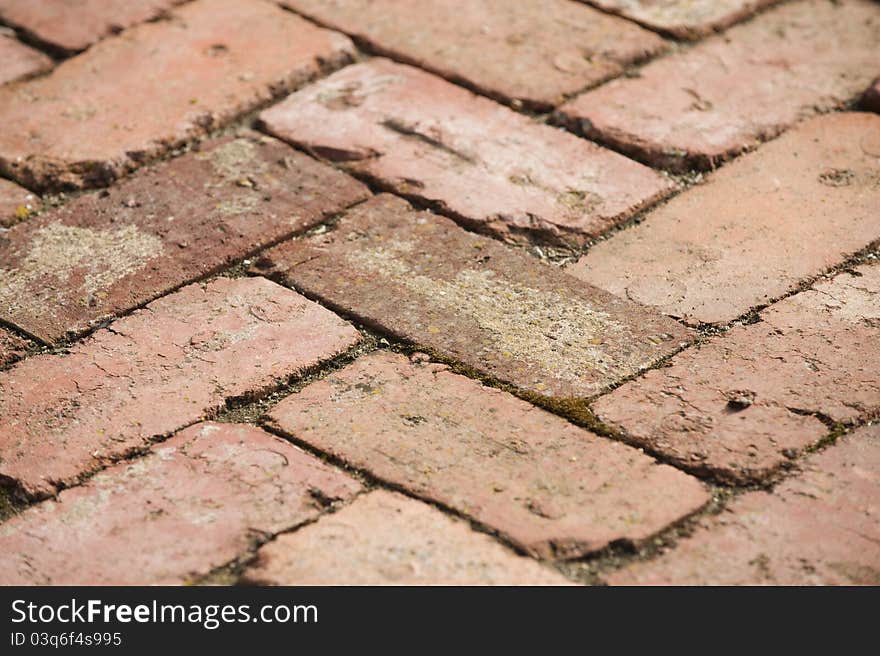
x=12, y=347
x=173, y=363
x=555, y=490
x=499, y=311
x=198, y=501
x=110, y=251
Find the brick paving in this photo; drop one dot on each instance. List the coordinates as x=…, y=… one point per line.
x=349, y=292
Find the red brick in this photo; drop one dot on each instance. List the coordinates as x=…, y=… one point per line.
x=503, y=173
x=736, y=406
x=503, y=313
x=727, y=94
x=386, y=539
x=107, y=252
x=198, y=501
x=684, y=19
x=17, y=61
x=64, y=415
x=16, y=203
x=871, y=99
x=12, y=347
x=755, y=229
x=73, y=25
x=157, y=85
x=534, y=52
x=820, y=528
x=552, y=488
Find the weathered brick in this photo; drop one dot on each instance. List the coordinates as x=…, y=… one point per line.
x=16, y=203
x=198, y=501
x=552, y=488
x=167, y=225
x=12, y=347
x=166, y=366
x=505, y=314
x=17, y=61
x=820, y=528
x=700, y=106
x=422, y=137
x=69, y=26
x=871, y=99
x=157, y=85
x=755, y=229
x=386, y=539
x=684, y=19
x=737, y=405
x=533, y=52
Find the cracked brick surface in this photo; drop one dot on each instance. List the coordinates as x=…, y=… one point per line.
x=754, y=229
x=819, y=528
x=530, y=52
x=421, y=278
x=16, y=203
x=168, y=365
x=741, y=404
x=73, y=25
x=422, y=137
x=387, y=539
x=193, y=503
x=726, y=94
x=107, y=252
x=553, y=489
x=18, y=61
x=137, y=95
x=684, y=19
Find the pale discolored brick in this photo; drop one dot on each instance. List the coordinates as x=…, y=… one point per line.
x=16, y=203
x=12, y=347
x=18, y=61
x=384, y=538
x=529, y=52
x=755, y=229
x=496, y=170
x=106, y=252
x=68, y=26
x=141, y=93
x=740, y=406
x=197, y=501
x=727, y=94
x=819, y=528
x=499, y=311
x=171, y=364
x=684, y=19
x=552, y=488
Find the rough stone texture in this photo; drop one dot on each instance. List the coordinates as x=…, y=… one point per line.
x=198, y=501
x=69, y=26
x=16, y=203
x=533, y=52
x=684, y=19
x=387, y=539
x=109, y=251
x=754, y=229
x=422, y=137
x=168, y=365
x=17, y=61
x=820, y=528
x=871, y=99
x=467, y=297
x=735, y=406
x=12, y=347
x=552, y=488
x=702, y=105
x=134, y=96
